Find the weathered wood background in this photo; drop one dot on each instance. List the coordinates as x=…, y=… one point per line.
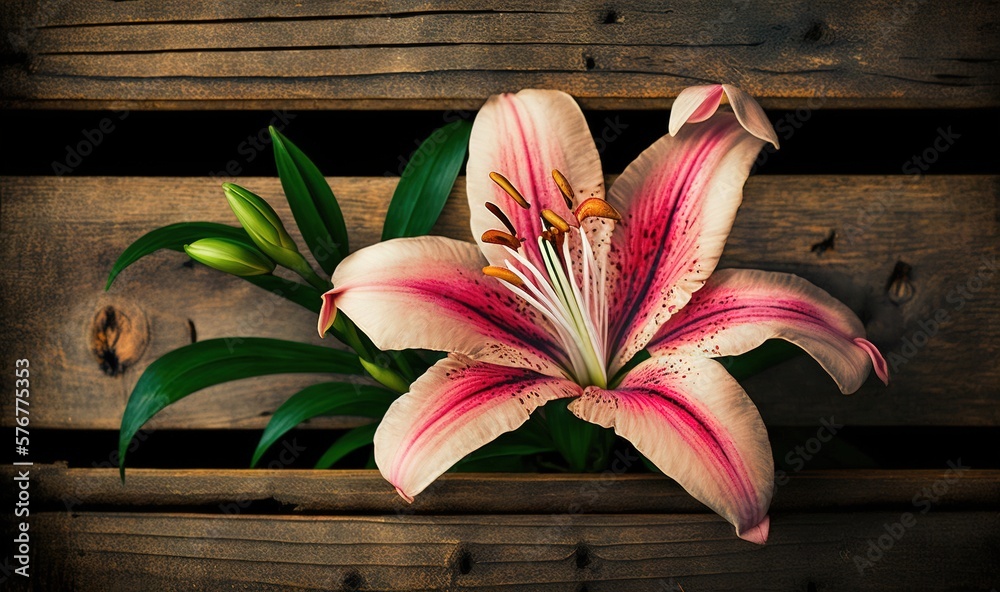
x=451, y=54
x=171, y=530
x=915, y=256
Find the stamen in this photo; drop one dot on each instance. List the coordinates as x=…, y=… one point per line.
x=596, y=208
x=510, y=189
x=555, y=220
x=496, y=211
x=502, y=273
x=498, y=237
x=564, y=187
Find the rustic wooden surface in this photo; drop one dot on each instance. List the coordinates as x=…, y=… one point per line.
x=196, y=530
x=449, y=54
x=56, y=487
x=61, y=235
x=108, y=551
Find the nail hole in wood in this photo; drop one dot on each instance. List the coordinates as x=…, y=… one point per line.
x=899, y=287
x=816, y=31
x=352, y=581
x=464, y=562
x=582, y=556
x=590, y=63
x=612, y=17
x=810, y=586
x=827, y=244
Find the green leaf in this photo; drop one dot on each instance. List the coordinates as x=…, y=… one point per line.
x=426, y=182
x=215, y=361
x=174, y=237
x=530, y=438
x=313, y=204
x=767, y=354
x=573, y=437
x=305, y=296
x=346, y=444
x=328, y=398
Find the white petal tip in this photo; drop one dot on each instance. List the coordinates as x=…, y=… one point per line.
x=402, y=494
x=757, y=534
x=750, y=115
x=878, y=362
x=694, y=104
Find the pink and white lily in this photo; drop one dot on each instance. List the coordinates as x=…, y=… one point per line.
x=568, y=284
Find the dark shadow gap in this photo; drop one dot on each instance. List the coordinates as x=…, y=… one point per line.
x=230, y=144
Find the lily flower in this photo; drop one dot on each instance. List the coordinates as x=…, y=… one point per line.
x=567, y=285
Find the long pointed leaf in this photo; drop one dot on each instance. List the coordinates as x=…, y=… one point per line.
x=313, y=204
x=327, y=398
x=426, y=182
x=215, y=361
x=346, y=444
x=173, y=237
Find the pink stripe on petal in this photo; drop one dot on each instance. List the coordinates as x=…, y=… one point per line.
x=430, y=293
x=695, y=423
x=523, y=137
x=739, y=309
x=455, y=408
x=678, y=201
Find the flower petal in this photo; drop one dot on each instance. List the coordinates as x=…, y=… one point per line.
x=698, y=103
x=738, y=309
x=456, y=407
x=694, y=104
x=430, y=293
x=523, y=137
x=695, y=423
x=751, y=116
x=678, y=201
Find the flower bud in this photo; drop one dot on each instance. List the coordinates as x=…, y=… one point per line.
x=229, y=256
x=263, y=225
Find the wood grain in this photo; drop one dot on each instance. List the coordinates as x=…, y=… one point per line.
x=444, y=54
x=62, y=234
x=56, y=487
x=110, y=551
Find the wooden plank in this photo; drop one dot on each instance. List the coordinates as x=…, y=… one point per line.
x=445, y=55
x=367, y=492
x=119, y=551
x=61, y=235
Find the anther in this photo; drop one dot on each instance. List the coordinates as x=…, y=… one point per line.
x=510, y=189
x=499, y=237
x=555, y=220
x=564, y=187
x=596, y=208
x=496, y=211
x=502, y=273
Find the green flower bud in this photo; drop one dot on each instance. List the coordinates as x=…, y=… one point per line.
x=385, y=376
x=264, y=227
x=229, y=256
